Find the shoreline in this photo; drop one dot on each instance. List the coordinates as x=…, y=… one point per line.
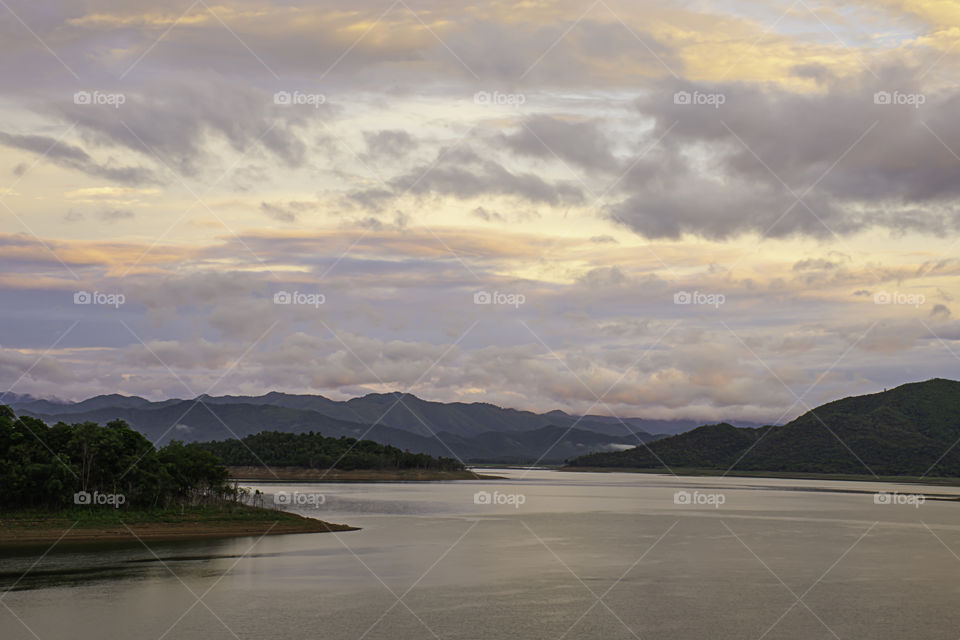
x=773, y=475
x=24, y=530
x=303, y=474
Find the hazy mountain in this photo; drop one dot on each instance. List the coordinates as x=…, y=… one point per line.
x=910, y=430
x=449, y=430
x=56, y=407
x=408, y=412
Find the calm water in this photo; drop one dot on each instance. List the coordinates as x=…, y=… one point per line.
x=583, y=556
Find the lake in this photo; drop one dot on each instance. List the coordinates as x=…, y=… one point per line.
x=542, y=554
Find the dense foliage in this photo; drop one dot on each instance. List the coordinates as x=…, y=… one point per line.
x=313, y=450
x=912, y=430
x=46, y=467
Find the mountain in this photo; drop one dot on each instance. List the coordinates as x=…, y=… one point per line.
x=58, y=407
x=408, y=412
x=909, y=430
x=472, y=432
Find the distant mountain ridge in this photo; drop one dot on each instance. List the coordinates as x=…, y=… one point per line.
x=913, y=429
x=471, y=431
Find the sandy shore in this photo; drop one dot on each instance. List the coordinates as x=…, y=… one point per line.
x=301, y=474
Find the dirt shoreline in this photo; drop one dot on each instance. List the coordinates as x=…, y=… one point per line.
x=46, y=531
x=302, y=474
x=773, y=475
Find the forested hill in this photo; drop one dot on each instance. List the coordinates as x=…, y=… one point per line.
x=68, y=465
x=314, y=451
x=910, y=430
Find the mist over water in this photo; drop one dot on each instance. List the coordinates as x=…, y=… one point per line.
x=579, y=556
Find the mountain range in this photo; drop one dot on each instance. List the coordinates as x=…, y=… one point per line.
x=911, y=430
x=469, y=431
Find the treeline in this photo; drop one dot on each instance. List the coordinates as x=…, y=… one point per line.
x=76, y=464
x=314, y=451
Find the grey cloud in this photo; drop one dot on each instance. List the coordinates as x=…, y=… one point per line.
x=738, y=168
x=389, y=143
x=114, y=215
x=177, y=121
x=73, y=157
x=464, y=174
x=484, y=214
x=940, y=310
x=581, y=143
x=604, y=277
x=288, y=212
x=814, y=264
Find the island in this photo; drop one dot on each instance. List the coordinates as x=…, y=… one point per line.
x=90, y=483
x=312, y=457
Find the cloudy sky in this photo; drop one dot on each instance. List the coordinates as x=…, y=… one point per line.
x=706, y=209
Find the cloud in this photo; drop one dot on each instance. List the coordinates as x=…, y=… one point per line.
x=464, y=174
x=814, y=264
x=115, y=215
x=73, y=157
x=388, y=144
x=484, y=214
x=178, y=122
x=741, y=167
x=288, y=212
x=941, y=311
x=579, y=143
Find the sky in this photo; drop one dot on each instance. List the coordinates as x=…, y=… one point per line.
x=728, y=210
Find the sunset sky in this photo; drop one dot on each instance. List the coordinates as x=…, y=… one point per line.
x=793, y=167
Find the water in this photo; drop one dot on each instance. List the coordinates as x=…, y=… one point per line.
x=583, y=556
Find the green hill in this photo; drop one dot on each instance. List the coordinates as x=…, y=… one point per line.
x=910, y=430
x=312, y=450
